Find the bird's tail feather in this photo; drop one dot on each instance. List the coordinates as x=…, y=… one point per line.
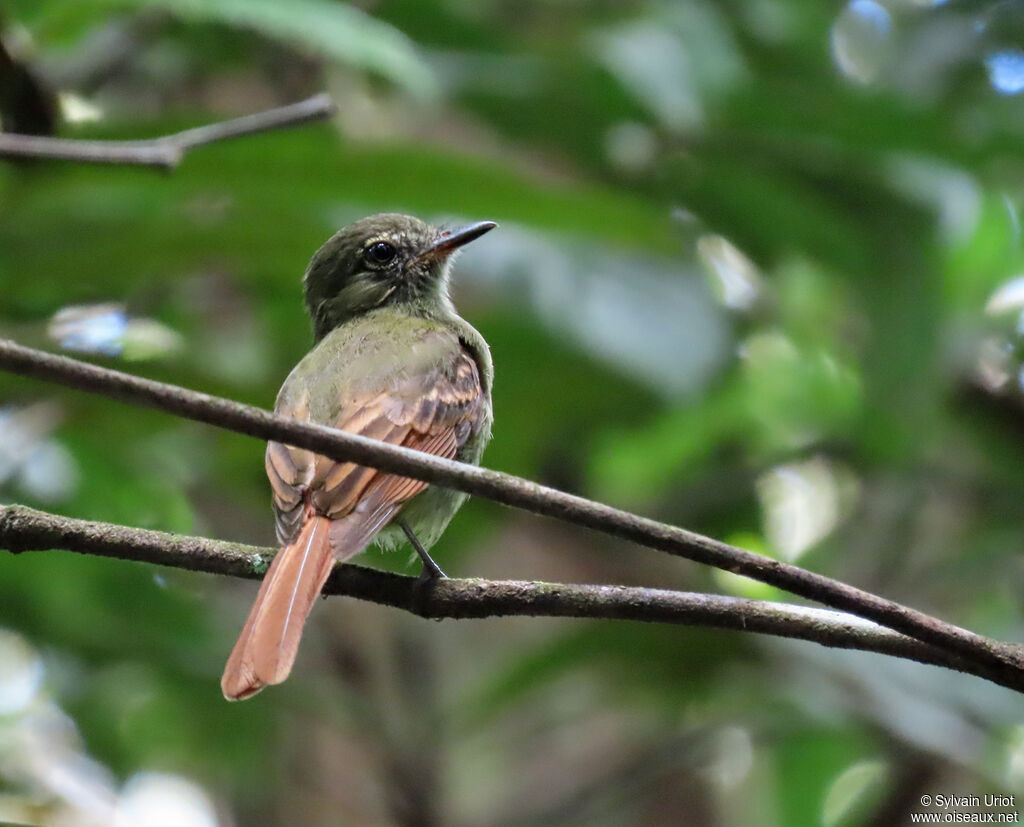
x=269, y=641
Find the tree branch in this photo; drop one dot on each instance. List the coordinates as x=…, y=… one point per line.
x=25, y=529
x=165, y=152
x=513, y=491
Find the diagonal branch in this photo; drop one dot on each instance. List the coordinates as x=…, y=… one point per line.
x=25, y=529
x=513, y=491
x=167, y=151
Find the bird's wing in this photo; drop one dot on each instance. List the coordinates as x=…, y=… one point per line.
x=328, y=510
x=434, y=411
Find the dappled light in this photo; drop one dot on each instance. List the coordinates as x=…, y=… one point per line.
x=107, y=330
x=30, y=459
x=803, y=503
x=159, y=800
x=42, y=749
x=737, y=282
x=862, y=40
x=1006, y=71
x=578, y=290
x=22, y=676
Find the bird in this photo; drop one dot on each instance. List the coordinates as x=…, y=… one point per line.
x=393, y=361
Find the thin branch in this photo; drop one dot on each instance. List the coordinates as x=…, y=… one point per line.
x=513, y=491
x=25, y=529
x=165, y=152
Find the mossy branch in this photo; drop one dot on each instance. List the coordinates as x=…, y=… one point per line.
x=997, y=660
x=25, y=529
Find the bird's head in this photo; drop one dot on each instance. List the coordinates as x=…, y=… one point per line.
x=386, y=259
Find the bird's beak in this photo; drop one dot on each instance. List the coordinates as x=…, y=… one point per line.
x=450, y=240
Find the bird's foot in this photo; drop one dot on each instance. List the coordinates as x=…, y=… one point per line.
x=431, y=571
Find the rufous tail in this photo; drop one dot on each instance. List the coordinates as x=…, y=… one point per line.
x=269, y=641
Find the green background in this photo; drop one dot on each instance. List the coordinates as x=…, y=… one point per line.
x=757, y=275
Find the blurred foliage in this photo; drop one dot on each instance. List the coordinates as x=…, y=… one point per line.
x=758, y=275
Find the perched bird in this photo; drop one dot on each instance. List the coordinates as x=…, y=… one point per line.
x=394, y=361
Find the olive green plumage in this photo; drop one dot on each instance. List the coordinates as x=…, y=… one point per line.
x=384, y=323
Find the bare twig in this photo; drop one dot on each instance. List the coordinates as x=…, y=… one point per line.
x=513, y=491
x=25, y=529
x=165, y=152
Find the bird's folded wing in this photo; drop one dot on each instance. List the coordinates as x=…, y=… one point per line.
x=434, y=412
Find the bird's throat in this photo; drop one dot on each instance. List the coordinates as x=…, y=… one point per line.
x=360, y=298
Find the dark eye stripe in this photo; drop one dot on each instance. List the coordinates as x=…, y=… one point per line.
x=380, y=252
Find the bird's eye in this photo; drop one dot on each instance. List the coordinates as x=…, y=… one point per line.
x=380, y=252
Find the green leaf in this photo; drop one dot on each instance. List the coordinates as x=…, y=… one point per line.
x=850, y=789
x=335, y=31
